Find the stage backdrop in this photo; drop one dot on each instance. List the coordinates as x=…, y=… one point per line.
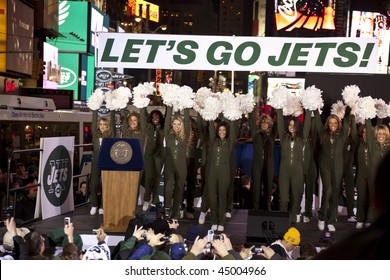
x=55, y=173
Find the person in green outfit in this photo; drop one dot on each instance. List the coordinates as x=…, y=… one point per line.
x=378, y=145
x=102, y=130
x=219, y=162
x=263, y=159
x=177, y=144
x=291, y=163
x=154, y=158
x=332, y=141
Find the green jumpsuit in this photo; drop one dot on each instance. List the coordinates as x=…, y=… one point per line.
x=175, y=169
x=291, y=166
x=331, y=167
x=219, y=164
x=262, y=164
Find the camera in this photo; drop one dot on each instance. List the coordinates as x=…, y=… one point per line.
x=207, y=247
x=210, y=235
x=67, y=221
x=257, y=250
x=218, y=237
x=9, y=212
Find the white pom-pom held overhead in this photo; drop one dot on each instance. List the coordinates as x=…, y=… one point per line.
x=351, y=95
x=96, y=100
x=381, y=108
x=311, y=98
x=338, y=109
x=278, y=98
x=366, y=108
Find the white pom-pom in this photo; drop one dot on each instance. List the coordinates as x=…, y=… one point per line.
x=141, y=93
x=184, y=98
x=338, y=109
x=366, y=108
x=388, y=109
x=212, y=108
x=230, y=106
x=351, y=95
x=293, y=106
x=96, y=99
x=169, y=94
x=311, y=98
x=246, y=102
x=278, y=98
x=381, y=108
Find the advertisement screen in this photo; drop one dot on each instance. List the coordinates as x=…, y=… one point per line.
x=99, y=23
x=294, y=85
x=133, y=9
x=376, y=25
x=52, y=70
x=310, y=15
x=69, y=72
x=20, y=33
x=72, y=24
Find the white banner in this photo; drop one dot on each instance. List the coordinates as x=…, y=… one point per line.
x=184, y=52
x=56, y=172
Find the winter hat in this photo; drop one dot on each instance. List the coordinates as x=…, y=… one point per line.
x=177, y=251
x=8, y=241
x=292, y=236
x=152, y=214
x=159, y=226
x=194, y=231
x=327, y=238
x=98, y=252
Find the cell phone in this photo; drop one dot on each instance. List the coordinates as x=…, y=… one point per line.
x=95, y=231
x=165, y=238
x=218, y=236
x=257, y=250
x=207, y=247
x=210, y=235
x=67, y=221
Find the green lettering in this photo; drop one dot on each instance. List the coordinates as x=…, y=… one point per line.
x=346, y=51
x=155, y=44
x=129, y=49
x=298, y=53
x=324, y=48
x=186, y=48
x=224, y=58
x=107, y=50
x=272, y=60
x=255, y=53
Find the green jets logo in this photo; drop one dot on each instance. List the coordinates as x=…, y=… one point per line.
x=57, y=176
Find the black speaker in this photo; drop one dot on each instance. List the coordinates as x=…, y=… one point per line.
x=265, y=226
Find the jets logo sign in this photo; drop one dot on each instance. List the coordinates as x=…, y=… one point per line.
x=57, y=176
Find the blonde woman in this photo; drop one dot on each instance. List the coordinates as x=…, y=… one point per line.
x=176, y=131
x=102, y=130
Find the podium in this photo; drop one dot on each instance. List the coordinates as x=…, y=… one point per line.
x=120, y=161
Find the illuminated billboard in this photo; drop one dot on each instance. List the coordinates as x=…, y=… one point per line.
x=69, y=73
x=294, y=85
x=376, y=25
x=302, y=14
x=133, y=9
x=20, y=34
x=73, y=25
x=52, y=73
x=99, y=23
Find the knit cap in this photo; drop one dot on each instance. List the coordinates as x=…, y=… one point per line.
x=292, y=236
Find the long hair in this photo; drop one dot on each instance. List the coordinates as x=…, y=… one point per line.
x=326, y=130
x=134, y=114
x=106, y=133
x=160, y=115
x=181, y=133
x=224, y=124
x=265, y=118
x=382, y=127
x=298, y=127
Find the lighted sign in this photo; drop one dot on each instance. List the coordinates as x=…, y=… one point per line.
x=20, y=34
x=376, y=25
x=312, y=15
x=69, y=72
x=133, y=9
x=294, y=85
x=72, y=23
x=52, y=69
x=99, y=23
